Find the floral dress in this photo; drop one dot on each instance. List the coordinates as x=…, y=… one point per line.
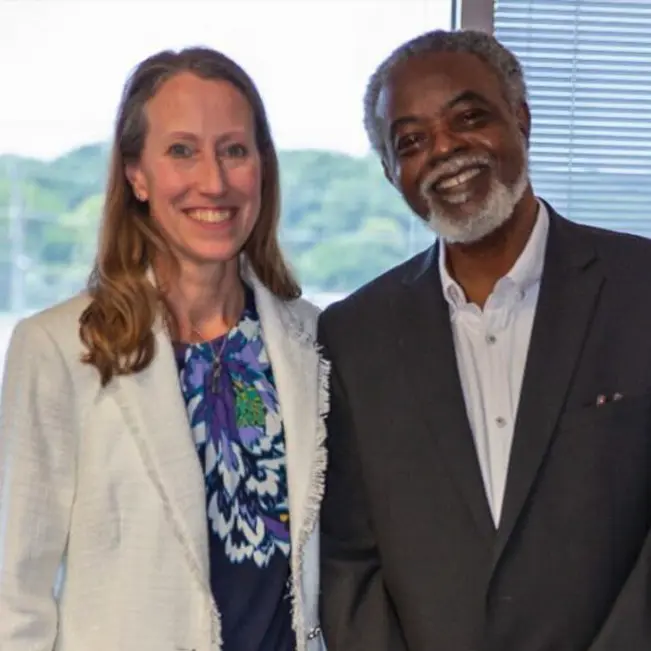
x=238, y=431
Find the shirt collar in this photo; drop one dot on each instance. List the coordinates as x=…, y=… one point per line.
x=526, y=271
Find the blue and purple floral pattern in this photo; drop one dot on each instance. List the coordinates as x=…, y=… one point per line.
x=239, y=436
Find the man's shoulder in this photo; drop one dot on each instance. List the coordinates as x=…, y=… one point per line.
x=611, y=245
x=374, y=297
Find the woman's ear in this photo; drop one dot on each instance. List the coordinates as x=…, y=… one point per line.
x=137, y=180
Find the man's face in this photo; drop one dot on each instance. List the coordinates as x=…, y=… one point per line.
x=455, y=148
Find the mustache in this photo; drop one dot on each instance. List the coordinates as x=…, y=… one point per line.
x=452, y=166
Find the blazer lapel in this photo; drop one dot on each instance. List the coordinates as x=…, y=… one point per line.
x=300, y=375
x=154, y=409
x=569, y=291
x=430, y=367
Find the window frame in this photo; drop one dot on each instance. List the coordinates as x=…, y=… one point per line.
x=473, y=14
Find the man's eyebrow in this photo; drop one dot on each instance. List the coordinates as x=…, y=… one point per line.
x=467, y=96
x=401, y=122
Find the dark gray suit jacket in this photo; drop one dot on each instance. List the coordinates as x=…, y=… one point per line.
x=410, y=556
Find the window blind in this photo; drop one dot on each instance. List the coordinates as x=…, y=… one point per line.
x=588, y=71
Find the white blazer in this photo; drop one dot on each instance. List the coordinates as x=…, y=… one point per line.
x=108, y=481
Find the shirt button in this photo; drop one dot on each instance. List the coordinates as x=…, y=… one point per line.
x=491, y=339
x=500, y=422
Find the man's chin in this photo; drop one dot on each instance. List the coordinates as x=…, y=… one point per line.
x=466, y=229
x=450, y=220
x=471, y=221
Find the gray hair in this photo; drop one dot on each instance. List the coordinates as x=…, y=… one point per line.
x=484, y=46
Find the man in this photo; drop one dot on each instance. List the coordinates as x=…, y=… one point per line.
x=489, y=481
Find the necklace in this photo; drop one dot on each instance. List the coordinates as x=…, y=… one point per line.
x=217, y=356
x=217, y=361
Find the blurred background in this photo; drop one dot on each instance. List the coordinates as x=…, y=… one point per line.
x=63, y=63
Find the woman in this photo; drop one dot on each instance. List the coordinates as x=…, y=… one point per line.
x=161, y=436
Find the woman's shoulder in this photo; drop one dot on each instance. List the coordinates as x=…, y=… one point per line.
x=304, y=314
x=304, y=308
x=47, y=344
x=58, y=324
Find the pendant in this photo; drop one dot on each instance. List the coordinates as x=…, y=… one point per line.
x=216, y=375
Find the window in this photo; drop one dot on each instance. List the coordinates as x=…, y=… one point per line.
x=65, y=62
x=588, y=68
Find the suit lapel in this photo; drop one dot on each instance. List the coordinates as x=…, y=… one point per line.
x=569, y=291
x=154, y=409
x=429, y=349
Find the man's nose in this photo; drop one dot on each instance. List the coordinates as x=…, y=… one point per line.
x=443, y=144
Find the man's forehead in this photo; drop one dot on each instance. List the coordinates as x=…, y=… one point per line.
x=443, y=74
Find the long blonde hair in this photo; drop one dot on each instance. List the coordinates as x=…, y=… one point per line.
x=117, y=326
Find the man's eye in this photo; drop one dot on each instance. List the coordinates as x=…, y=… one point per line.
x=473, y=117
x=407, y=141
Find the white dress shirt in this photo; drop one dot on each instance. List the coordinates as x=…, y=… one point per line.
x=491, y=349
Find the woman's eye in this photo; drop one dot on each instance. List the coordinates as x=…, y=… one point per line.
x=236, y=150
x=179, y=150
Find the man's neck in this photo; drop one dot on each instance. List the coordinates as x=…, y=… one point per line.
x=478, y=266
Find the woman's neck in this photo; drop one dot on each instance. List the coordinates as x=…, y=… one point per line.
x=206, y=301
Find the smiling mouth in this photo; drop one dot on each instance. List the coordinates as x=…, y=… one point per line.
x=457, y=182
x=211, y=215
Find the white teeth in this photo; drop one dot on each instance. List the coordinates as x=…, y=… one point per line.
x=463, y=177
x=457, y=198
x=213, y=216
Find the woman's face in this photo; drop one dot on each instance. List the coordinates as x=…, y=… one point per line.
x=200, y=170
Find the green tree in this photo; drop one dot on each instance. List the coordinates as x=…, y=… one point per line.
x=342, y=222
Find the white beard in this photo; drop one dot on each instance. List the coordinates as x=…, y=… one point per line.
x=494, y=212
